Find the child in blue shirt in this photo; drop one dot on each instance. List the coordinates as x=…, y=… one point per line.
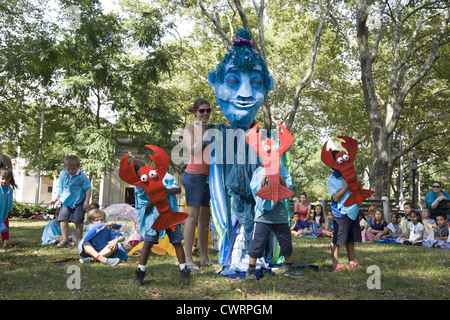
x=6, y=202
x=300, y=227
x=52, y=232
x=100, y=242
x=270, y=216
x=147, y=214
x=74, y=191
x=345, y=219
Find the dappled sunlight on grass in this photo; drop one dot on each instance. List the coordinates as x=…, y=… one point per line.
x=406, y=273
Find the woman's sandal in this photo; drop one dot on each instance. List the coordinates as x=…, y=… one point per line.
x=210, y=264
x=192, y=267
x=338, y=267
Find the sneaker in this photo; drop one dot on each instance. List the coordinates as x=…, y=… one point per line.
x=64, y=244
x=185, y=275
x=139, y=276
x=86, y=260
x=292, y=272
x=251, y=274
x=112, y=261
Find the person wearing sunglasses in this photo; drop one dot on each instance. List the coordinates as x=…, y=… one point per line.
x=434, y=199
x=196, y=184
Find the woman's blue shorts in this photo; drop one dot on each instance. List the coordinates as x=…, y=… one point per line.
x=196, y=187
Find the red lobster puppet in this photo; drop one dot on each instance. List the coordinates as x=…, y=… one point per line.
x=151, y=180
x=344, y=164
x=270, y=153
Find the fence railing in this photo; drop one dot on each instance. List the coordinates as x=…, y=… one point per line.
x=388, y=206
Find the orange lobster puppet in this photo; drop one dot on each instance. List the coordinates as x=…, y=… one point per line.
x=344, y=164
x=151, y=180
x=270, y=153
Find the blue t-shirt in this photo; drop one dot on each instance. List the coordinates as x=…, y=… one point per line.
x=335, y=183
x=6, y=202
x=431, y=196
x=146, y=220
x=301, y=224
x=51, y=231
x=72, y=190
x=266, y=211
x=98, y=235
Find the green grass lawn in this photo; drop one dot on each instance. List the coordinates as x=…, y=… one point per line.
x=407, y=273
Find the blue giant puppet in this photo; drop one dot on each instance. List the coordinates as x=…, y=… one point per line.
x=241, y=81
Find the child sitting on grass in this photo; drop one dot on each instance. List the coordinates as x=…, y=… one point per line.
x=439, y=234
x=329, y=226
x=52, y=232
x=300, y=227
x=414, y=235
x=379, y=226
x=100, y=242
x=408, y=207
x=393, y=227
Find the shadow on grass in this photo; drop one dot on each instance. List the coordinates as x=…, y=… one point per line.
x=26, y=272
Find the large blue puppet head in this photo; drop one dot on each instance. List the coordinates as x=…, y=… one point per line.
x=240, y=81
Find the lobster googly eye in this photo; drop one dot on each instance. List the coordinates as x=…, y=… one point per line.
x=266, y=148
x=153, y=174
x=345, y=157
x=144, y=178
x=339, y=160
x=275, y=148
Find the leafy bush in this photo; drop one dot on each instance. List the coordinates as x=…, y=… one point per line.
x=23, y=210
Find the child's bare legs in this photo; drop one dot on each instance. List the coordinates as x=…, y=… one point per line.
x=179, y=251
x=145, y=253
x=350, y=246
x=102, y=255
x=334, y=254
x=350, y=251
x=79, y=229
x=64, y=229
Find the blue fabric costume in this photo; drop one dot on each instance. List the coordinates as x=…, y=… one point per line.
x=231, y=196
x=232, y=202
x=98, y=235
x=146, y=220
x=51, y=231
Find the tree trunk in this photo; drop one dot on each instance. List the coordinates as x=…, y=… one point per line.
x=381, y=150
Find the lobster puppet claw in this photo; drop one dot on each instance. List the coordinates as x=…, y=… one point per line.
x=344, y=163
x=270, y=153
x=127, y=171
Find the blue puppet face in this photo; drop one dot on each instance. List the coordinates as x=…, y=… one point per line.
x=241, y=93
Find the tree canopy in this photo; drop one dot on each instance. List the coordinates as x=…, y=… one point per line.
x=374, y=70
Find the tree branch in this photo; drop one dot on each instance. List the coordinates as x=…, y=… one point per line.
x=414, y=144
x=228, y=43
x=304, y=82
